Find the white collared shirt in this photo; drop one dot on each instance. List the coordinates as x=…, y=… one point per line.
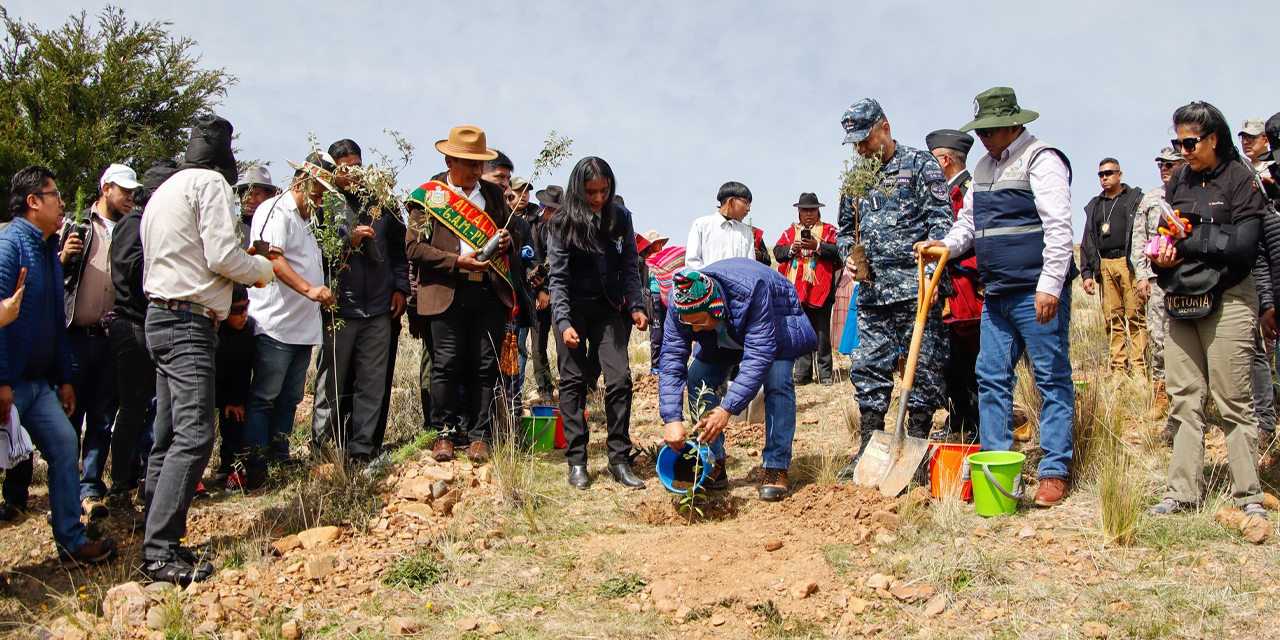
x=715, y=237
x=476, y=198
x=1052, y=189
x=278, y=310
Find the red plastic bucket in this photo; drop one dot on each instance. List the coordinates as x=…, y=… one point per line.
x=949, y=470
x=561, y=443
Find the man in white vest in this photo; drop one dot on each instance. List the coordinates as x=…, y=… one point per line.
x=1017, y=217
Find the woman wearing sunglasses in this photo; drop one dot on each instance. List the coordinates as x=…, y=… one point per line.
x=595, y=298
x=1212, y=306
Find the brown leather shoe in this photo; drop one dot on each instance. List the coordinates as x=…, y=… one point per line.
x=93, y=552
x=1051, y=493
x=478, y=452
x=443, y=451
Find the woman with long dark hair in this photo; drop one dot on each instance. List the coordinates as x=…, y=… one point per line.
x=595, y=298
x=1212, y=306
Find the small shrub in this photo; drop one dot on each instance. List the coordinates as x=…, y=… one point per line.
x=416, y=571
x=621, y=586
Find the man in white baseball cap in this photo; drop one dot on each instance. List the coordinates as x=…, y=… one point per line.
x=1253, y=142
x=89, y=300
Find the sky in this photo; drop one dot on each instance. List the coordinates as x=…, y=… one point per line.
x=680, y=97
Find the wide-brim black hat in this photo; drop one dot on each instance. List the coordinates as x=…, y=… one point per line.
x=808, y=201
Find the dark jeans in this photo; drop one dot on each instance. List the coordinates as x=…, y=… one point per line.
x=656, y=324
x=540, y=338
x=41, y=413
x=279, y=380
x=137, y=388
x=182, y=345
x=465, y=343
x=820, y=318
x=603, y=332
x=97, y=398
x=351, y=371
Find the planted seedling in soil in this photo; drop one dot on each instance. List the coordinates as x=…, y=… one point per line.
x=691, y=500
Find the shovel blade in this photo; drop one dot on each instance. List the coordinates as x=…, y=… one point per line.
x=905, y=462
x=876, y=460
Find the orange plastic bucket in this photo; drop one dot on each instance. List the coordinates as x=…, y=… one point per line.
x=949, y=470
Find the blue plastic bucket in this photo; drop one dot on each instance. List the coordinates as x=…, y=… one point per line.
x=543, y=410
x=678, y=467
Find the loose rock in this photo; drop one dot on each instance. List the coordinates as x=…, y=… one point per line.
x=468, y=624
x=1228, y=517
x=290, y=631
x=312, y=538
x=912, y=593
x=879, y=581
x=772, y=544
x=1256, y=529
x=936, y=606
x=1270, y=502
x=401, y=626
x=318, y=568
x=285, y=545
x=1095, y=630
x=1119, y=607
x=801, y=590
x=444, y=504
x=493, y=628
x=662, y=590
x=155, y=619
x=665, y=606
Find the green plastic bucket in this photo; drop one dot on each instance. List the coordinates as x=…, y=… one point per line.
x=997, y=481
x=540, y=432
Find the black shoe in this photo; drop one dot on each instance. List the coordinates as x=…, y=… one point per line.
x=826, y=383
x=801, y=381
x=625, y=476
x=719, y=478
x=12, y=513
x=178, y=572
x=578, y=476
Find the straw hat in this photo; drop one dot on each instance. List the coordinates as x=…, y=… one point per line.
x=468, y=143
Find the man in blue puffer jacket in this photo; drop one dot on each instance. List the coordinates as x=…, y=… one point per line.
x=35, y=357
x=739, y=312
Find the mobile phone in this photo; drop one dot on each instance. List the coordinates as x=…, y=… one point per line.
x=260, y=248
x=806, y=234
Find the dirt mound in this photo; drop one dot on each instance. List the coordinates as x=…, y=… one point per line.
x=845, y=512
x=659, y=510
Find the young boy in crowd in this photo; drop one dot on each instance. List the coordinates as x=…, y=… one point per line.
x=234, y=366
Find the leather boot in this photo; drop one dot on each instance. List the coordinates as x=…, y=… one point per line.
x=443, y=451
x=919, y=423
x=1161, y=403
x=870, y=425
x=625, y=476
x=774, y=486
x=578, y=476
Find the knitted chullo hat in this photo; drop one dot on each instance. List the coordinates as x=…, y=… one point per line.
x=693, y=293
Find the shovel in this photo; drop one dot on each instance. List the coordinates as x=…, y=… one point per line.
x=891, y=459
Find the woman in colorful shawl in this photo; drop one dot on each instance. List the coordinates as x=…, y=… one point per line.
x=807, y=256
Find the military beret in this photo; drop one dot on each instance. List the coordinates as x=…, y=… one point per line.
x=949, y=139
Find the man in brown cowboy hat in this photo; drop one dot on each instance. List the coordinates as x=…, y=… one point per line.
x=466, y=299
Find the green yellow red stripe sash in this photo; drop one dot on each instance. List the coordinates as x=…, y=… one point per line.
x=466, y=220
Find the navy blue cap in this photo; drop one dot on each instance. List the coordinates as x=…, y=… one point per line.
x=859, y=118
x=949, y=139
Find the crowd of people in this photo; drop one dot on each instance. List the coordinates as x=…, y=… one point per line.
x=189, y=305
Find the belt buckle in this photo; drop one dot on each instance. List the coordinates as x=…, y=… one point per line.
x=475, y=276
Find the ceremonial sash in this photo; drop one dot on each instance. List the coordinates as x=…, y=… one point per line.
x=811, y=276
x=469, y=222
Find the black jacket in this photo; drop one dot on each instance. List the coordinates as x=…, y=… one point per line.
x=126, y=267
x=233, y=365
x=1226, y=219
x=577, y=274
x=377, y=270
x=1121, y=219
x=1266, y=273
x=73, y=270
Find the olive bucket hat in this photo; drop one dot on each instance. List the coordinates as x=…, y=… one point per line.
x=998, y=107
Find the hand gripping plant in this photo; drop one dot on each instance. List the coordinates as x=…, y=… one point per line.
x=860, y=177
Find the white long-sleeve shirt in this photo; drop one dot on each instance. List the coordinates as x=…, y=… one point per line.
x=713, y=238
x=1051, y=185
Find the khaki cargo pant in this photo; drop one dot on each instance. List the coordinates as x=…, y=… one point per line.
x=1157, y=328
x=1126, y=322
x=1214, y=354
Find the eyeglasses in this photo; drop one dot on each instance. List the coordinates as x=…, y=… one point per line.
x=985, y=133
x=1188, y=144
x=1107, y=173
x=56, y=193
x=237, y=309
x=1165, y=164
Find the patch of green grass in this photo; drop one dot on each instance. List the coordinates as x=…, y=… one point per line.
x=1186, y=531
x=840, y=558
x=416, y=571
x=621, y=586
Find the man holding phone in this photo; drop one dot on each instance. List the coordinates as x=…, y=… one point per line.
x=807, y=255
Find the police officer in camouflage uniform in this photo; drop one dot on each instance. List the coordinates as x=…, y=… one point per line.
x=910, y=204
x=1157, y=322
